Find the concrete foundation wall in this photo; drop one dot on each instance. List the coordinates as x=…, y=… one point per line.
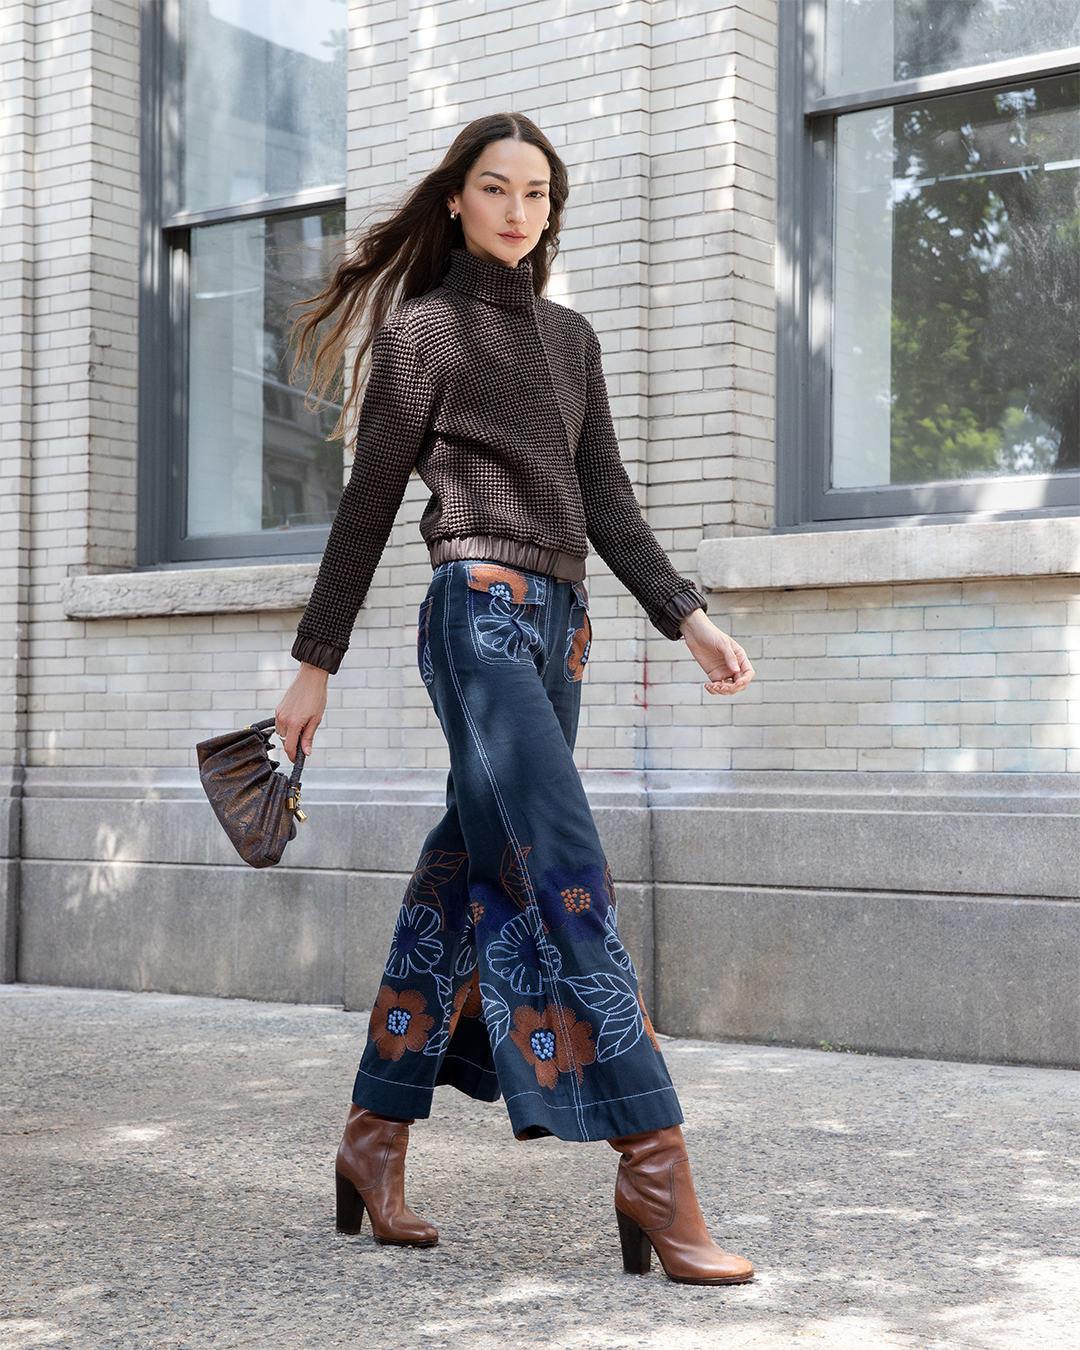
x=950, y=977
x=10, y=870
x=922, y=914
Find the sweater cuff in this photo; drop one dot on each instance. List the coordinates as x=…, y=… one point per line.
x=676, y=609
x=316, y=653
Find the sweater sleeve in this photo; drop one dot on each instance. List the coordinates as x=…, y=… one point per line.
x=613, y=518
x=394, y=418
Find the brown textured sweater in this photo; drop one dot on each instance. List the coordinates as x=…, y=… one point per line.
x=497, y=398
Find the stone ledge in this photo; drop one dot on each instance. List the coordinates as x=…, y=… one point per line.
x=904, y=553
x=203, y=590
x=612, y=787
x=635, y=789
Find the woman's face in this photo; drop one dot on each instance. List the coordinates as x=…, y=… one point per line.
x=504, y=204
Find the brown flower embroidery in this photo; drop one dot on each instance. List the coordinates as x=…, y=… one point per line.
x=499, y=581
x=467, y=1003
x=553, y=1042
x=578, y=653
x=648, y=1025
x=399, y=1022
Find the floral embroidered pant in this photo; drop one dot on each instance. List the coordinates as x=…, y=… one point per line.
x=506, y=972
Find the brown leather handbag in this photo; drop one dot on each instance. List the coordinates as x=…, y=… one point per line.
x=257, y=807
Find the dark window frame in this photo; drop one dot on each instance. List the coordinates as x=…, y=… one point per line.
x=165, y=235
x=806, y=125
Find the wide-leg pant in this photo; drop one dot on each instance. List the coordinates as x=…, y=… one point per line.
x=506, y=971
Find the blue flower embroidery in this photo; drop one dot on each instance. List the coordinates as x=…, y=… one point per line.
x=522, y=958
x=503, y=630
x=414, y=947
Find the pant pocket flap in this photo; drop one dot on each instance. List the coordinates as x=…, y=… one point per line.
x=506, y=583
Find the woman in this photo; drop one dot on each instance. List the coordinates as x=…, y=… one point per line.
x=506, y=973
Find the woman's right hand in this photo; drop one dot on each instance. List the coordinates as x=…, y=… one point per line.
x=301, y=710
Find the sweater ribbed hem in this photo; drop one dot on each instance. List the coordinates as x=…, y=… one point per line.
x=315, y=653
x=676, y=609
x=548, y=562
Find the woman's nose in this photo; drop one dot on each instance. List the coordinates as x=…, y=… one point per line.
x=515, y=209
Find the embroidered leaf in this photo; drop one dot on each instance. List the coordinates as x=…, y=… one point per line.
x=613, y=943
x=512, y=874
x=437, y=1044
x=618, y=953
x=611, y=996
x=496, y=1014
x=610, y=889
x=465, y=963
x=435, y=870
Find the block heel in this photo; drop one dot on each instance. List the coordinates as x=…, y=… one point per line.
x=659, y=1212
x=370, y=1177
x=350, y=1206
x=636, y=1247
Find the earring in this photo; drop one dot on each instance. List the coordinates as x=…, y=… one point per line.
x=546, y=224
x=453, y=216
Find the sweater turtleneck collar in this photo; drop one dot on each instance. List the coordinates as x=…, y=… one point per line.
x=508, y=287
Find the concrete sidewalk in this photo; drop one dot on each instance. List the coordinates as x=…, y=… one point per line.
x=168, y=1183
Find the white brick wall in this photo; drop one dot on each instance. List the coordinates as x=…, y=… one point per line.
x=664, y=112
x=953, y=677
x=78, y=63
x=16, y=362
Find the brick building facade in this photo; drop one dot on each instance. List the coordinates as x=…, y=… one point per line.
x=875, y=843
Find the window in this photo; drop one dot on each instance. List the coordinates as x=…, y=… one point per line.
x=929, y=302
x=243, y=215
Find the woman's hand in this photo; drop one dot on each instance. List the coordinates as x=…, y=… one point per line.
x=301, y=710
x=720, y=657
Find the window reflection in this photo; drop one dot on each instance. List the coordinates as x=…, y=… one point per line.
x=957, y=325
x=258, y=459
x=264, y=94
x=870, y=43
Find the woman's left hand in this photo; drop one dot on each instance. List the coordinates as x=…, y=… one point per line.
x=719, y=656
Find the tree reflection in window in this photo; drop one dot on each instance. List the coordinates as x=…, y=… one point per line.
x=985, y=280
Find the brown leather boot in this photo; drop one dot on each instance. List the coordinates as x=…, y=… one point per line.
x=658, y=1211
x=371, y=1176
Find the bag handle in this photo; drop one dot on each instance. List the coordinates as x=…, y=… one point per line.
x=298, y=762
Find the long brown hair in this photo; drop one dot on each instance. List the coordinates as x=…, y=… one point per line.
x=408, y=255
